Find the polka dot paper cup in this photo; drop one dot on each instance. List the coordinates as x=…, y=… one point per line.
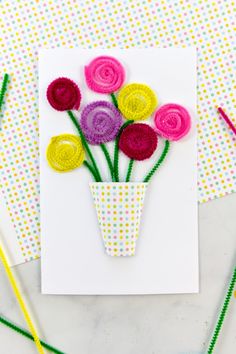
x=119, y=208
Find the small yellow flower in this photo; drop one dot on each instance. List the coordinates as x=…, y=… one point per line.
x=65, y=152
x=136, y=101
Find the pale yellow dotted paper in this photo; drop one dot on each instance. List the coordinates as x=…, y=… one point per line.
x=27, y=25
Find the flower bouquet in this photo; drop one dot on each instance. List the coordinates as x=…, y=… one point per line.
x=118, y=203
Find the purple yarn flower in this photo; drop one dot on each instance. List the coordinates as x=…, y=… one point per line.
x=100, y=122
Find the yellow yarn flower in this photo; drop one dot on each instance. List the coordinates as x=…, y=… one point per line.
x=136, y=101
x=65, y=152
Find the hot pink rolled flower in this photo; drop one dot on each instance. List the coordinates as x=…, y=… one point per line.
x=104, y=74
x=172, y=121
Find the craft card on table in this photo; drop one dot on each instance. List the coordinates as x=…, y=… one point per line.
x=123, y=225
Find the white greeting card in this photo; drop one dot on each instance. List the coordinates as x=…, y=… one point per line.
x=73, y=256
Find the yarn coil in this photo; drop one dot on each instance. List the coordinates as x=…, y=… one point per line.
x=65, y=152
x=137, y=101
x=100, y=122
x=104, y=74
x=63, y=94
x=138, y=141
x=172, y=121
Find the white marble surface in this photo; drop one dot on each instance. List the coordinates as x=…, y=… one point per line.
x=173, y=324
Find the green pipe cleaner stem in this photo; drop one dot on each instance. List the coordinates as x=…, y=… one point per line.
x=27, y=334
x=114, y=100
x=3, y=89
x=85, y=144
x=159, y=162
x=91, y=170
x=129, y=171
x=108, y=158
x=222, y=313
x=116, y=151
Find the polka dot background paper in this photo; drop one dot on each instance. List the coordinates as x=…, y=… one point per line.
x=28, y=25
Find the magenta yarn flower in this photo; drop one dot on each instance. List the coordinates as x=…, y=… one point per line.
x=63, y=94
x=172, y=121
x=138, y=141
x=104, y=74
x=100, y=122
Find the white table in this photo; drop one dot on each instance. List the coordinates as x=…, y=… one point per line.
x=173, y=324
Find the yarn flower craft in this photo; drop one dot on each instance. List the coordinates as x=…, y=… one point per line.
x=104, y=74
x=120, y=121
x=100, y=122
x=138, y=141
x=137, y=101
x=63, y=94
x=172, y=121
x=65, y=152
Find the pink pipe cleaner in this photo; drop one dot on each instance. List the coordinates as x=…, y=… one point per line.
x=104, y=74
x=172, y=121
x=226, y=118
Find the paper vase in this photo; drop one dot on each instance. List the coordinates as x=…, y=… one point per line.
x=119, y=208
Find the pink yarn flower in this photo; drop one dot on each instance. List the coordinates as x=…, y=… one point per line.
x=104, y=74
x=63, y=94
x=172, y=121
x=138, y=141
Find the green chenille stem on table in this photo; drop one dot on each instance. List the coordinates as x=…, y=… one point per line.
x=3, y=320
x=91, y=170
x=159, y=162
x=3, y=88
x=85, y=144
x=116, y=151
x=26, y=334
x=114, y=100
x=222, y=313
x=108, y=158
x=129, y=171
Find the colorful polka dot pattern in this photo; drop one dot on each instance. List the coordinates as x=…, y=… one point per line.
x=119, y=208
x=27, y=25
